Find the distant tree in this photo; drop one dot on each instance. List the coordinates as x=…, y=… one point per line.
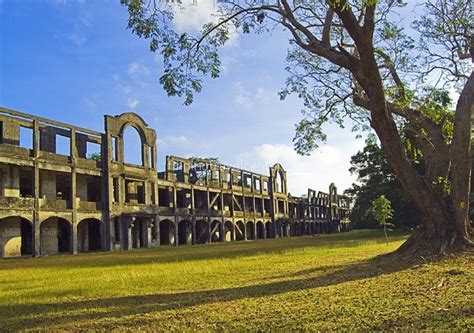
x=352, y=59
x=382, y=211
x=375, y=177
x=94, y=156
x=200, y=168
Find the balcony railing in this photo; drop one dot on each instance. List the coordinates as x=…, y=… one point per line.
x=89, y=205
x=17, y=203
x=53, y=204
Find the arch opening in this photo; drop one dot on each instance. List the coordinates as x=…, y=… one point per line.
x=185, y=233
x=269, y=230
x=139, y=233
x=89, y=235
x=215, y=231
x=280, y=187
x=250, y=230
x=16, y=237
x=239, y=231
x=260, y=230
x=55, y=235
x=202, y=232
x=132, y=146
x=228, y=232
x=167, y=231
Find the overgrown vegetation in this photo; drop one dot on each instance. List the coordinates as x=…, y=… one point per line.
x=383, y=212
x=375, y=178
x=326, y=282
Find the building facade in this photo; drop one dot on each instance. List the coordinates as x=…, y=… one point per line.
x=57, y=197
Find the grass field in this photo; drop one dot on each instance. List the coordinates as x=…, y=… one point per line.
x=325, y=282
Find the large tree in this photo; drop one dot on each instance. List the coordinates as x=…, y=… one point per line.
x=351, y=58
x=376, y=178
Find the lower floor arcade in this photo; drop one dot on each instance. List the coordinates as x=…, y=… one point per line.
x=57, y=235
x=19, y=236
x=137, y=231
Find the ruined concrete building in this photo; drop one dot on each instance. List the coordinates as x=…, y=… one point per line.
x=72, y=201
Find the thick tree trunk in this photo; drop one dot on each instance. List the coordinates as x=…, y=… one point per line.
x=444, y=226
x=461, y=160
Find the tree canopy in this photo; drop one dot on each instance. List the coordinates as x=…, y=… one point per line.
x=353, y=59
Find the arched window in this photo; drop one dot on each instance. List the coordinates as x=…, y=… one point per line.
x=132, y=146
x=279, y=183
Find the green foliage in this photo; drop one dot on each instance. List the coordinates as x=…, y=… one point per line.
x=186, y=58
x=443, y=184
x=95, y=157
x=326, y=88
x=376, y=178
x=382, y=210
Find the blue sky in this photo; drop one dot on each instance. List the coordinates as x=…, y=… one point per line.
x=75, y=61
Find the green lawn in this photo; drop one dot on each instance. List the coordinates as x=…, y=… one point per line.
x=325, y=282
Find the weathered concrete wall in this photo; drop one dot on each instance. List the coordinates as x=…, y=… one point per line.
x=83, y=237
x=49, y=236
x=10, y=180
x=10, y=237
x=48, y=185
x=81, y=187
x=11, y=134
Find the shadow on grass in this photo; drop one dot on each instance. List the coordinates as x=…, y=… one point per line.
x=72, y=314
x=170, y=254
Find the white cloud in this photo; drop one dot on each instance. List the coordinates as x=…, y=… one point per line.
x=81, y=24
x=191, y=15
x=90, y=102
x=172, y=141
x=132, y=104
x=137, y=69
x=226, y=63
x=247, y=98
x=78, y=36
x=329, y=164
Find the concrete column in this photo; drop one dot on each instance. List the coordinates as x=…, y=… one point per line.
x=146, y=231
x=36, y=191
x=74, y=207
x=222, y=231
x=145, y=157
x=74, y=235
x=208, y=225
x=156, y=223
x=194, y=236
x=36, y=238
x=125, y=223
x=36, y=222
x=175, y=199
x=176, y=233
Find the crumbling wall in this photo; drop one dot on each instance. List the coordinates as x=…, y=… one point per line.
x=10, y=179
x=49, y=236
x=48, y=185
x=10, y=237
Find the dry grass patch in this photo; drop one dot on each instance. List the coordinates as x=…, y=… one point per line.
x=327, y=282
